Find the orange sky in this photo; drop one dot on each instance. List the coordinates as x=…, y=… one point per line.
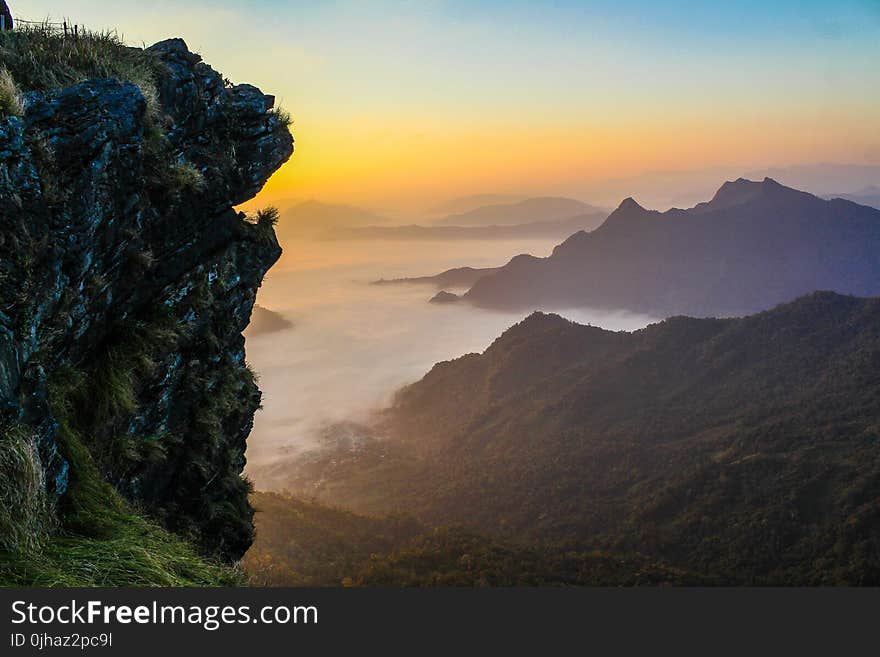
x=412, y=164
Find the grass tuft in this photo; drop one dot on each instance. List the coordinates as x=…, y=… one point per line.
x=283, y=116
x=25, y=513
x=186, y=177
x=42, y=58
x=11, y=103
x=267, y=217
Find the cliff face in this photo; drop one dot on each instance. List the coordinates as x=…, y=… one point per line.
x=126, y=279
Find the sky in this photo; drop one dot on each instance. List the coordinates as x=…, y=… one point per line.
x=398, y=105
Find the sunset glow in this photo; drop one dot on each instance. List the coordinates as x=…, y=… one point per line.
x=397, y=105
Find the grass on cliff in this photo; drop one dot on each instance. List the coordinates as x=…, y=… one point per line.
x=101, y=540
x=42, y=58
x=104, y=542
x=110, y=390
x=25, y=513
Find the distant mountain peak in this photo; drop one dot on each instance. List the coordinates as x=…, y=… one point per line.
x=737, y=192
x=742, y=191
x=629, y=210
x=629, y=203
x=628, y=216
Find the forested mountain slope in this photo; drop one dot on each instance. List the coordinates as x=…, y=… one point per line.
x=742, y=448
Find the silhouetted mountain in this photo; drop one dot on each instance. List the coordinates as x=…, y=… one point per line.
x=755, y=244
x=468, y=203
x=264, y=321
x=745, y=449
x=459, y=277
x=530, y=211
x=685, y=188
x=868, y=196
x=539, y=229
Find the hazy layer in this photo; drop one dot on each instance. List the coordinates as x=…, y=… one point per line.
x=353, y=344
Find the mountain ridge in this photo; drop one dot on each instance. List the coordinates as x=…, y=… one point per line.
x=754, y=245
x=551, y=229
x=530, y=210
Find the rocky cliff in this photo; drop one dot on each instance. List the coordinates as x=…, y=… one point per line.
x=126, y=280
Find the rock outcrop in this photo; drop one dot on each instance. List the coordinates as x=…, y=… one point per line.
x=126, y=280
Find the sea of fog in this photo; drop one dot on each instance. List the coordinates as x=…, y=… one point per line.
x=353, y=344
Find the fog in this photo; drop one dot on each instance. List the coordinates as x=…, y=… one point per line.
x=353, y=344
